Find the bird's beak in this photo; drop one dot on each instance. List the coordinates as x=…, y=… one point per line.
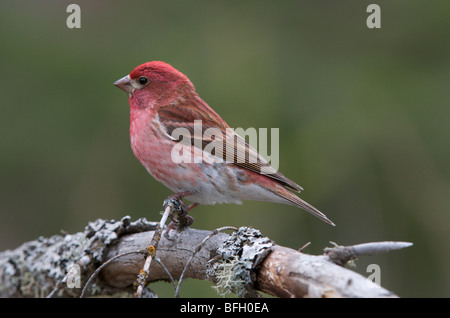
x=125, y=84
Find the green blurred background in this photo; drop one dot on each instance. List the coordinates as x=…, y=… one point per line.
x=363, y=117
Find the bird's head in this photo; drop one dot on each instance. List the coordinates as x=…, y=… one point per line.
x=154, y=82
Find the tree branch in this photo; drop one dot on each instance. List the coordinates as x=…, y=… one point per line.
x=242, y=263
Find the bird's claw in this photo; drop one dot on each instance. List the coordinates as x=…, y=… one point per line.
x=178, y=215
x=175, y=204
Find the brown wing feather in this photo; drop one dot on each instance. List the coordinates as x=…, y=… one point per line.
x=237, y=150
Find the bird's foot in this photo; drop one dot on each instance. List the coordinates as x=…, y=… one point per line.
x=179, y=214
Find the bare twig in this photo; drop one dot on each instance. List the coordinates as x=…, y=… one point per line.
x=151, y=250
x=341, y=255
x=99, y=269
x=197, y=249
x=157, y=260
x=301, y=249
x=71, y=274
x=379, y=247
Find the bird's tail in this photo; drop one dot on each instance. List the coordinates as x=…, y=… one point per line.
x=295, y=200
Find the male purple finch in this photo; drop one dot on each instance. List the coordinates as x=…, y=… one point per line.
x=164, y=109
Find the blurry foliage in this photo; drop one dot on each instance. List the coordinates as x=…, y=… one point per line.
x=363, y=117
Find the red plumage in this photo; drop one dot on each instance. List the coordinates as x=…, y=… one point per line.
x=164, y=108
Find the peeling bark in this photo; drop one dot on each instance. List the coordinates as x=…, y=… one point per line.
x=39, y=268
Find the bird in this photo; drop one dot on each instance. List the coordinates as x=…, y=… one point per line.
x=170, y=134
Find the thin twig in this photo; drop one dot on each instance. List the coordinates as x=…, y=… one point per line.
x=379, y=247
x=341, y=255
x=151, y=250
x=104, y=265
x=301, y=249
x=157, y=260
x=82, y=263
x=197, y=249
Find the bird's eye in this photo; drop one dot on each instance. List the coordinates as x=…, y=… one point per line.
x=143, y=80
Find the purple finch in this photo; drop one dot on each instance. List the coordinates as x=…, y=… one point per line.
x=164, y=111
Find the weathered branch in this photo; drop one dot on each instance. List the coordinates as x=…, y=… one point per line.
x=241, y=263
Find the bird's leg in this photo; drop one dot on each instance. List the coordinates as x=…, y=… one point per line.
x=180, y=218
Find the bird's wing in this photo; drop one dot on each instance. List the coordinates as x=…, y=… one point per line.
x=194, y=122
